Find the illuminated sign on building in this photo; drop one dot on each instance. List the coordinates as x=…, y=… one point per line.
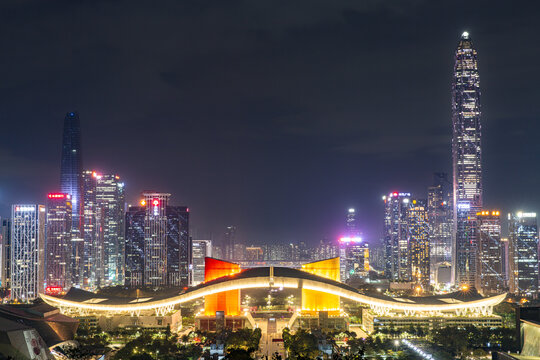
x=25, y=208
x=526, y=215
x=54, y=290
x=58, y=196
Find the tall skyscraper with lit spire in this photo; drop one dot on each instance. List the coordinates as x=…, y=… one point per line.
x=71, y=183
x=467, y=160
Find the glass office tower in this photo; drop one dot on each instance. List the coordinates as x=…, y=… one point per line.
x=71, y=183
x=467, y=160
x=523, y=254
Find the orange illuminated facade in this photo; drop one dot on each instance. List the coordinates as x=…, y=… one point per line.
x=227, y=301
x=314, y=301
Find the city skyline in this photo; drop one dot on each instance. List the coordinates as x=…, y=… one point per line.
x=223, y=186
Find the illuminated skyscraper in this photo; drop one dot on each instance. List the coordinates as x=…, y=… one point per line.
x=467, y=159
x=103, y=221
x=523, y=254
x=229, y=242
x=27, y=251
x=93, y=233
x=490, y=277
x=352, y=223
x=201, y=250
x=71, y=183
x=158, y=245
x=58, y=246
x=110, y=204
x=134, y=253
x=354, y=254
x=396, y=242
x=418, y=229
x=440, y=217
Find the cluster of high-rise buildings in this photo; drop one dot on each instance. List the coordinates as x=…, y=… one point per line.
x=83, y=236
x=451, y=237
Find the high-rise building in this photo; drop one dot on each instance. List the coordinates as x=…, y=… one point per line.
x=229, y=242
x=505, y=260
x=58, y=245
x=27, y=251
x=201, y=250
x=523, y=254
x=103, y=223
x=419, y=253
x=352, y=223
x=158, y=246
x=467, y=160
x=5, y=268
x=134, y=253
x=354, y=254
x=71, y=183
x=92, y=233
x=440, y=218
x=110, y=204
x=490, y=277
x=396, y=241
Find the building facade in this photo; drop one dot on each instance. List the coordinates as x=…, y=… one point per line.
x=396, y=235
x=92, y=233
x=110, y=200
x=523, y=254
x=158, y=246
x=440, y=218
x=490, y=277
x=419, y=249
x=229, y=242
x=27, y=251
x=134, y=253
x=71, y=183
x=353, y=258
x=58, y=245
x=467, y=160
x=200, y=250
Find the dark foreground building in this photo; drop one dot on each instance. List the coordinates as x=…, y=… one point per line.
x=30, y=330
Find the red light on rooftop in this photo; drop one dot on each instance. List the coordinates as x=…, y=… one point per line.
x=56, y=196
x=395, y=194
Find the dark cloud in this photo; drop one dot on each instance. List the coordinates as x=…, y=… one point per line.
x=272, y=115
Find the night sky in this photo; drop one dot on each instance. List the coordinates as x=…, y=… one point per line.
x=275, y=116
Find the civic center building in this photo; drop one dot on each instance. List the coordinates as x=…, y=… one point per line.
x=321, y=293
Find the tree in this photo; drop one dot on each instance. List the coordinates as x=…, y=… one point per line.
x=238, y=354
x=301, y=345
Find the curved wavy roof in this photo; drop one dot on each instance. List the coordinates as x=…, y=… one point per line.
x=260, y=278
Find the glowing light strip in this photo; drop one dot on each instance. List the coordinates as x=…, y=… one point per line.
x=261, y=282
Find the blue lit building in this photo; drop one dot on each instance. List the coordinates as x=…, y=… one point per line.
x=71, y=183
